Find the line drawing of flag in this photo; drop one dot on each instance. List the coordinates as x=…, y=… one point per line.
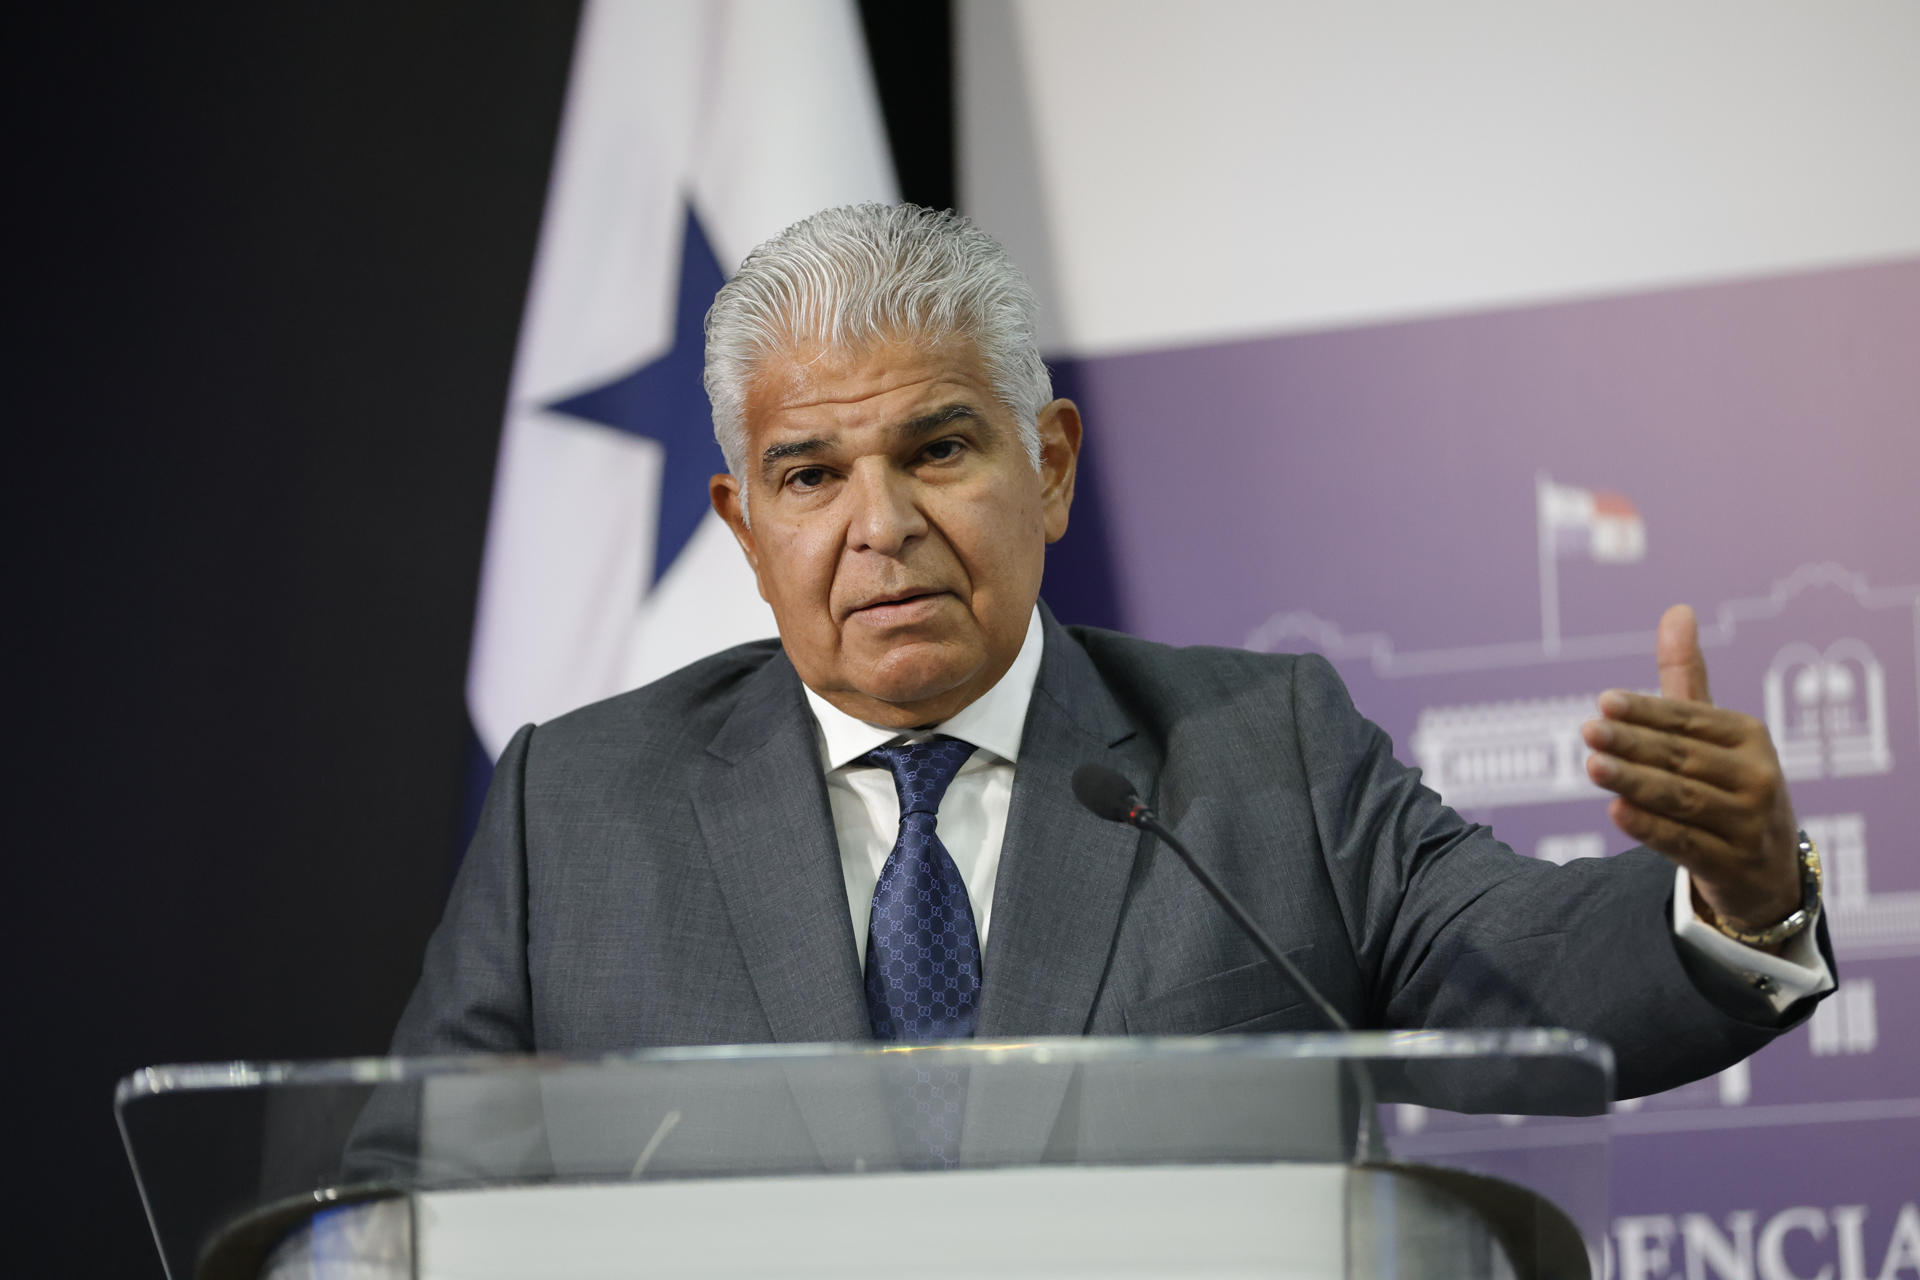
x=1594, y=523
x=692, y=131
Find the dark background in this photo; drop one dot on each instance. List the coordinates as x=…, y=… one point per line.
x=273, y=265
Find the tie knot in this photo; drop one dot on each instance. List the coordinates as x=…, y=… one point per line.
x=921, y=770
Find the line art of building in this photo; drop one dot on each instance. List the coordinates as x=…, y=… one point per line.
x=1826, y=705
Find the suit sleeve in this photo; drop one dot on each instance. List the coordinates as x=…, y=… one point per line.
x=1454, y=929
x=474, y=993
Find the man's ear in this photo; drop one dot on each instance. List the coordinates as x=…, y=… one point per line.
x=1059, y=423
x=724, y=491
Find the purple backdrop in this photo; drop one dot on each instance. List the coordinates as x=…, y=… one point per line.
x=1371, y=494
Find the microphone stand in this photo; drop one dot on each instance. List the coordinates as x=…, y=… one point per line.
x=1367, y=1139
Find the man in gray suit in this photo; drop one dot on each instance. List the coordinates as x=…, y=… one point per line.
x=866, y=828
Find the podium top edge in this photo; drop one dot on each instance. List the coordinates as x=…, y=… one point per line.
x=1547, y=1042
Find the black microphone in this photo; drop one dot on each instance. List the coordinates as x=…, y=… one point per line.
x=1109, y=795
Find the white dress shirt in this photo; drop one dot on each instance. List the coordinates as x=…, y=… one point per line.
x=972, y=824
x=1797, y=972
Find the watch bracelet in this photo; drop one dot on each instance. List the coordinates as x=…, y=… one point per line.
x=1800, y=917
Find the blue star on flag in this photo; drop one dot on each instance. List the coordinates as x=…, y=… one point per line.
x=664, y=401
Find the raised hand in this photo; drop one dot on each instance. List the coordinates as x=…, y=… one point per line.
x=1701, y=784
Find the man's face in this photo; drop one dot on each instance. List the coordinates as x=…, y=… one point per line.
x=899, y=530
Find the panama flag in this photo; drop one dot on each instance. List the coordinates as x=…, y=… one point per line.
x=1593, y=523
x=692, y=131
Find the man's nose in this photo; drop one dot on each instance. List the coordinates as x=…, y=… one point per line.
x=885, y=515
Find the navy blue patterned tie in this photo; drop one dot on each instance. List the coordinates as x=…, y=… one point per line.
x=923, y=952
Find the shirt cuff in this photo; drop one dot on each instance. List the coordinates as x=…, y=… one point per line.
x=1797, y=972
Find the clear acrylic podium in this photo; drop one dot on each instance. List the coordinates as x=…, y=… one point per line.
x=1376, y=1154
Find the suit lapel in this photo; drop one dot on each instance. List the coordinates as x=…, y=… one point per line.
x=1063, y=872
x=763, y=813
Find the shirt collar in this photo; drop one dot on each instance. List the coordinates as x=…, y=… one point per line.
x=992, y=722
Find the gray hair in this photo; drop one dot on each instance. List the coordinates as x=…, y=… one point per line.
x=865, y=273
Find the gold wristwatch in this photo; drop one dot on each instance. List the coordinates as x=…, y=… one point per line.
x=1802, y=915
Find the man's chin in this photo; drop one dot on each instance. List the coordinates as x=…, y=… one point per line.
x=915, y=682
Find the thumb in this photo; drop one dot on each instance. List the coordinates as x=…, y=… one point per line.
x=1676, y=647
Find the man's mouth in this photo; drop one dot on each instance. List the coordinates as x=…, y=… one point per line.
x=898, y=598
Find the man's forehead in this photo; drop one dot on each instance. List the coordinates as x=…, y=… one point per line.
x=821, y=383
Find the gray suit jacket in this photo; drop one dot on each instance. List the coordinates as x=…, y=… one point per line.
x=661, y=869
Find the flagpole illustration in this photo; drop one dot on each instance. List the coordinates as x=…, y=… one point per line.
x=1598, y=525
x=1549, y=566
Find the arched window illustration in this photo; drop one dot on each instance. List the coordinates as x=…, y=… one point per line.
x=1793, y=700
x=1856, y=711
x=1828, y=711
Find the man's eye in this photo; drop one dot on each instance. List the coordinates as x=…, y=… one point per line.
x=942, y=450
x=807, y=478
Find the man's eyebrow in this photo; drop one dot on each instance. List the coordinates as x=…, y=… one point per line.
x=930, y=423
x=776, y=453
x=913, y=429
